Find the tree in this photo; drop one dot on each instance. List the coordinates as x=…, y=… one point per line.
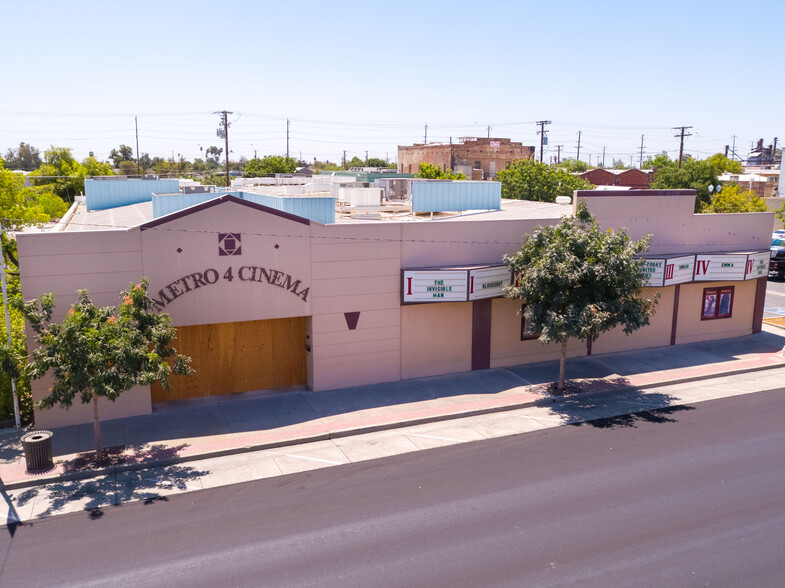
x=354, y=162
x=102, y=352
x=213, y=155
x=724, y=164
x=376, y=162
x=695, y=174
x=434, y=172
x=573, y=165
x=527, y=179
x=20, y=205
x=127, y=168
x=93, y=167
x=269, y=164
x=658, y=161
x=730, y=199
x=124, y=153
x=619, y=164
x=26, y=158
x=578, y=281
x=326, y=166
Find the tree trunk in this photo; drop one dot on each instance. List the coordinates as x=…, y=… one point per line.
x=561, y=365
x=99, y=452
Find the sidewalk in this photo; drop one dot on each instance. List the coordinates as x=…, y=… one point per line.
x=194, y=430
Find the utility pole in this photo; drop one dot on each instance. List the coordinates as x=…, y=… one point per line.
x=542, y=132
x=136, y=126
x=681, y=141
x=223, y=131
x=733, y=149
x=640, y=165
x=366, y=155
x=489, y=131
x=578, y=157
x=343, y=161
x=287, y=138
x=603, y=156
x=558, y=153
x=426, y=134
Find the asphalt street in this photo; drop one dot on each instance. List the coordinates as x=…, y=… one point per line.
x=688, y=496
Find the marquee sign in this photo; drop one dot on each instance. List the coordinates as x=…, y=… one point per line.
x=488, y=282
x=668, y=271
x=757, y=265
x=718, y=268
x=435, y=285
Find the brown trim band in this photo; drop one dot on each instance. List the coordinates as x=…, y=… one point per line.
x=481, y=334
x=760, y=302
x=675, y=320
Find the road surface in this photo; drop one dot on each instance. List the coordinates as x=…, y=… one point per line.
x=690, y=497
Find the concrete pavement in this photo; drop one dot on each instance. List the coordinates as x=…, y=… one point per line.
x=224, y=440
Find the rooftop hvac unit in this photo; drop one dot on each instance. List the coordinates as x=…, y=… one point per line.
x=198, y=189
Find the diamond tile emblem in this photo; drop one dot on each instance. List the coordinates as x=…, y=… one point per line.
x=229, y=244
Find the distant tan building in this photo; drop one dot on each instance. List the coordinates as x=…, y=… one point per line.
x=478, y=158
x=764, y=182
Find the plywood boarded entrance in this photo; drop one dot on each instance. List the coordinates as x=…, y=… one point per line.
x=238, y=357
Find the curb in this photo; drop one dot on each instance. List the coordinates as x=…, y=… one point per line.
x=546, y=400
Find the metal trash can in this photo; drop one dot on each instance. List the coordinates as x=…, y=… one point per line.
x=38, y=450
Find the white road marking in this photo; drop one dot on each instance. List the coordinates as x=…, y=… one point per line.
x=313, y=459
x=437, y=437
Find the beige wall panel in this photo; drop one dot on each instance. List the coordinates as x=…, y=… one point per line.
x=359, y=335
x=432, y=244
x=676, y=229
x=354, y=234
x=134, y=402
x=436, y=339
x=363, y=302
x=355, y=250
x=351, y=286
x=355, y=370
x=196, y=236
x=54, y=244
x=656, y=334
x=357, y=348
x=88, y=263
x=506, y=345
x=238, y=357
x=370, y=319
x=107, y=284
x=367, y=268
x=691, y=329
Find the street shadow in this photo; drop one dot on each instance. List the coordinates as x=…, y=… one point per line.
x=619, y=406
x=114, y=487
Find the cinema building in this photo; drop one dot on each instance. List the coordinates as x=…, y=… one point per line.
x=267, y=298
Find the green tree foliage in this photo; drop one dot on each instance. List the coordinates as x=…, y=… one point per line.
x=578, y=281
x=527, y=179
x=724, y=164
x=326, y=166
x=619, y=164
x=64, y=174
x=270, y=164
x=434, y=172
x=354, y=162
x=213, y=155
x=658, y=161
x=376, y=162
x=214, y=179
x=124, y=153
x=695, y=174
x=26, y=158
x=102, y=352
x=732, y=199
x=573, y=165
x=20, y=205
x=127, y=168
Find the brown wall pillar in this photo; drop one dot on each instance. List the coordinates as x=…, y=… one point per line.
x=481, y=334
x=760, y=301
x=675, y=321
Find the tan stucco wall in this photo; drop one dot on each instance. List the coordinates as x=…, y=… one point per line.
x=674, y=226
x=436, y=339
x=356, y=268
x=506, y=345
x=656, y=334
x=690, y=326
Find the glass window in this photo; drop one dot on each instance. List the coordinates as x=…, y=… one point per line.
x=717, y=303
x=526, y=334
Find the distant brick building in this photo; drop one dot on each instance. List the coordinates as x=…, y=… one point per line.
x=630, y=178
x=470, y=156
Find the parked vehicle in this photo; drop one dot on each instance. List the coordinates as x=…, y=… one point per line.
x=777, y=262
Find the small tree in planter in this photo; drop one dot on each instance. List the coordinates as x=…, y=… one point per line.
x=102, y=352
x=578, y=281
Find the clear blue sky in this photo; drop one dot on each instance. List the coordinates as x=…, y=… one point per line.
x=360, y=76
